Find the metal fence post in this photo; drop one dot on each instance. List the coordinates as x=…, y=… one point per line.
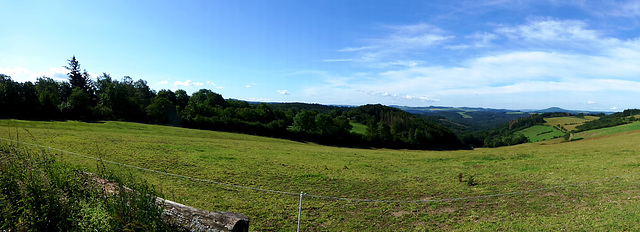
x=300, y=211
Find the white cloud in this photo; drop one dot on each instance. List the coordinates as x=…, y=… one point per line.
x=404, y=96
x=22, y=74
x=188, y=83
x=14, y=71
x=614, y=108
x=163, y=82
x=557, y=35
x=250, y=85
x=283, y=92
x=560, y=67
x=181, y=83
x=211, y=83
x=258, y=99
x=58, y=73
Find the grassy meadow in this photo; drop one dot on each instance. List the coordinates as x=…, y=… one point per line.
x=358, y=128
x=378, y=174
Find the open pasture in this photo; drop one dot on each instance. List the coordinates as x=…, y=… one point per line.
x=572, y=181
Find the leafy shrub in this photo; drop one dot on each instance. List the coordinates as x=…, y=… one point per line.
x=38, y=193
x=471, y=181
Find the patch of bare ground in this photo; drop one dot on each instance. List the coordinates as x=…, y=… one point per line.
x=400, y=213
x=551, y=194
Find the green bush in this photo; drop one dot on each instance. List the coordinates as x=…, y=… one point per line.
x=38, y=193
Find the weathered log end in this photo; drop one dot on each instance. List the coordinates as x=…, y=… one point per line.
x=192, y=219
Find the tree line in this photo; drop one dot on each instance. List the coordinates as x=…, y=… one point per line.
x=106, y=98
x=615, y=119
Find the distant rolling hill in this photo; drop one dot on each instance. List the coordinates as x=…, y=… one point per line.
x=561, y=110
x=465, y=120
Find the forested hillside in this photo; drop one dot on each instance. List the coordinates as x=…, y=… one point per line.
x=624, y=117
x=504, y=135
x=81, y=98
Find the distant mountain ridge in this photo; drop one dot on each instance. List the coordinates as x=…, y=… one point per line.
x=425, y=109
x=561, y=110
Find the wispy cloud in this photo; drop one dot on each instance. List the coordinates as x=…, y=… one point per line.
x=623, y=9
x=550, y=30
x=405, y=97
x=337, y=60
x=356, y=49
x=476, y=40
x=258, y=99
x=163, y=82
x=391, y=49
x=283, y=92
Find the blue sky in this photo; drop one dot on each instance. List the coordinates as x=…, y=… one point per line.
x=499, y=54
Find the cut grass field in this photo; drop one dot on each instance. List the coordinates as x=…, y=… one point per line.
x=541, y=133
x=569, y=123
x=602, y=204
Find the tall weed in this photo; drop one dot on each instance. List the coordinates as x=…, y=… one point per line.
x=38, y=193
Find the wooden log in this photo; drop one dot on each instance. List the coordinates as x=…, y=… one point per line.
x=192, y=219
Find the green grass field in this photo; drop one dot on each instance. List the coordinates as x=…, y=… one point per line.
x=464, y=115
x=541, y=133
x=603, y=204
x=607, y=131
x=358, y=128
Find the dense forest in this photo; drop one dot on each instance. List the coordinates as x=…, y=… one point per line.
x=82, y=98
